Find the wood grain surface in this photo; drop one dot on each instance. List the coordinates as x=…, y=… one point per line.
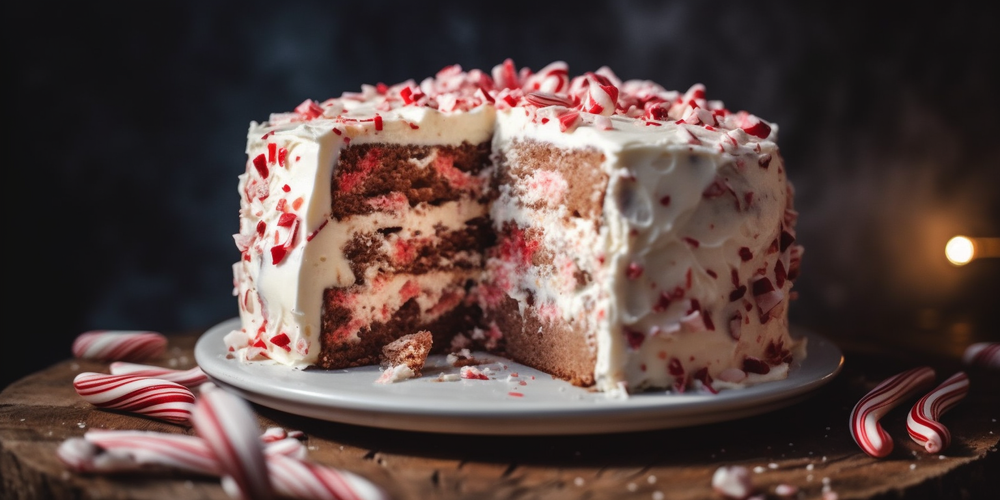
x=807, y=445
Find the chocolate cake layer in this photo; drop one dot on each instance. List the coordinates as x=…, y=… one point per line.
x=581, y=168
x=370, y=170
x=554, y=346
x=368, y=348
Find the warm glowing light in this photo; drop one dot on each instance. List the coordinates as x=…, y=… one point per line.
x=960, y=250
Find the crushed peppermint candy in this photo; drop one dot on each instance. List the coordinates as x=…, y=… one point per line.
x=550, y=96
x=732, y=481
x=473, y=373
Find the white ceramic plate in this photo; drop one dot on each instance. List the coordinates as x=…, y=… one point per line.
x=546, y=406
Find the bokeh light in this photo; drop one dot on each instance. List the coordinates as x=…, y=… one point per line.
x=960, y=250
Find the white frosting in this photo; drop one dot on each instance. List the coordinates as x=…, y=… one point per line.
x=287, y=298
x=646, y=164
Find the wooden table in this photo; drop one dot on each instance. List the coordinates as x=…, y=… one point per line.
x=807, y=445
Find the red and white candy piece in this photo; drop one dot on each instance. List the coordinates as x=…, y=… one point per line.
x=126, y=451
x=228, y=426
x=732, y=482
x=272, y=434
x=984, y=354
x=108, y=345
x=189, y=378
x=865, y=427
x=601, y=97
x=306, y=480
x=156, y=398
x=923, y=421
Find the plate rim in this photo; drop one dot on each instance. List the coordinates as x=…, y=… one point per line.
x=644, y=411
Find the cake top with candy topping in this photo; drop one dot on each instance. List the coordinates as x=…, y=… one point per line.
x=599, y=95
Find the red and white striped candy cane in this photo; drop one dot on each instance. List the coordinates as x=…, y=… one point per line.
x=156, y=398
x=137, y=449
x=289, y=447
x=984, y=354
x=306, y=480
x=228, y=425
x=145, y=448
x=134, y=451
x=865, y=427
x=923, y=421
x=80, y=455
x=192, y=377
x=545, y=99
x=109, y=345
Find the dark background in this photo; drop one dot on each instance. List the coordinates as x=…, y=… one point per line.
x=127, y=126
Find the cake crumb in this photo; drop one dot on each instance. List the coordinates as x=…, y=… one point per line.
x=404, y=357
x=461, y=357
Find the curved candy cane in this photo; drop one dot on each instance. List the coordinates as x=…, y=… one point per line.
x=923, y=421
x=985, y=354
x=132, y=451
x=299, y=479
x=109, y=345
x=79, y=455
x=865, y=428
x=229, y=426
x=156, y=398
x=143, y=448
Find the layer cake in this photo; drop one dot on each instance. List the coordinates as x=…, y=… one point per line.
x=612, y=233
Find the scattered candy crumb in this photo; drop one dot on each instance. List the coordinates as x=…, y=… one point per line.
x=786, y=490
x=732, y=481
x=473, y=373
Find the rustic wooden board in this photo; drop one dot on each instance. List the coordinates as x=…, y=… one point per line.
x=806, y=445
